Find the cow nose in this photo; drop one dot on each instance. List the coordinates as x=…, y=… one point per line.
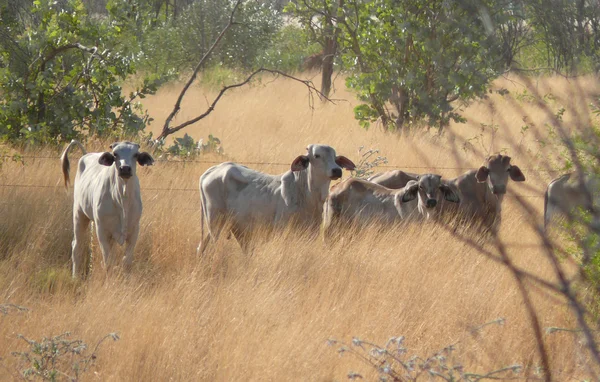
x=336, y=173
x=499, y=189
x=431, y=203
x=125, y=172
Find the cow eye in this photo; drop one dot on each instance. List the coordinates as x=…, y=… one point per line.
x=317, y=156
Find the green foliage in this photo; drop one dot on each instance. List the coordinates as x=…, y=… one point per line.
x=186, y=147
x=288, y=48
x=179, y=45
x=420, y=58
x=57, y=358
x=64, y=79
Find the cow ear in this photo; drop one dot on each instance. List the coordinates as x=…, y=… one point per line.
x=106, y=159
x=516, y=174
x=344, y=162
x=145, y=159
x=410, y=192
x=300, y=163
x=482, y=174
x=449, y=194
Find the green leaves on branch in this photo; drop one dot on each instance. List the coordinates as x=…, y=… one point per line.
x=63, y=76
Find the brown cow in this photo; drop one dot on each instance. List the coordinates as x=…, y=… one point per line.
x=360, y=200
x=482, y=190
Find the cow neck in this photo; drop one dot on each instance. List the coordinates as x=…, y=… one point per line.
x=494, y=200
x=121, y=197
x=314, y=190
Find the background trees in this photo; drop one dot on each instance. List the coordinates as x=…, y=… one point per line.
x=411, y=63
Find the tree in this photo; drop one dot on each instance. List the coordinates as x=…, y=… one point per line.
x=319, y=18
x=61, y=77
x=419, y=57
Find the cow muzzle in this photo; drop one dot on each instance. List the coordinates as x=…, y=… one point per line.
x=499, y=189
x=336, y=173
x=125, y=172
x=431, y=203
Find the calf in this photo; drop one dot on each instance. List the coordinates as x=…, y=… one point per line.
x=107, y=192
x=431, y=189
x=246, y=198
x=364, y=201
x=482, y=191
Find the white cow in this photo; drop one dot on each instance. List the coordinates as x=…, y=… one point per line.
x=247, y=199
x=107, y=191
x=568, y=192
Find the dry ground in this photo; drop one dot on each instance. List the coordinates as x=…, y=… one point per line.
x=228, y=316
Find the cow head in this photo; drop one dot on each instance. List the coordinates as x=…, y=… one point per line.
x=125, y=155
x=323, y=161
x=495, y=172
x=431, y=190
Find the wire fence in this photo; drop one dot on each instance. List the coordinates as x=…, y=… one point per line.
x=184, y=189
x=249, y=163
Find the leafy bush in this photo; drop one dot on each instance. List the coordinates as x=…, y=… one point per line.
x=61, y=78
x=188, y=148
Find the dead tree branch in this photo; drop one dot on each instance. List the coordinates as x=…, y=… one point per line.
x=177, y=106
x=311, y=89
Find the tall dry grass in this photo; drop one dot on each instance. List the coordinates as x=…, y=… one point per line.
x=229, y=316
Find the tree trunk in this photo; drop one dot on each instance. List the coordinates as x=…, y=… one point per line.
x=329, y=52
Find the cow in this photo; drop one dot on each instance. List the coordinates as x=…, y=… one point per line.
x=363, y=201
x=568, y=192
x=107, y=192
x=482, y=191
x=393, y=179
x=246, y=199
x=431, y=189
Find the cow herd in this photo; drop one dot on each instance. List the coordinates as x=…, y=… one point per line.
x=239, y=201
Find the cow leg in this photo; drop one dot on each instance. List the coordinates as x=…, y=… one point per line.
x=130, y=247
x=215, y=224
x=80, y=227
x=105, y=241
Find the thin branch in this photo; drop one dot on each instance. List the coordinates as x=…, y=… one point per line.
x=311, y=88
x=177, y=106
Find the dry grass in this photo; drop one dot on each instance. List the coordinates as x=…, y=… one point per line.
x=267, y=317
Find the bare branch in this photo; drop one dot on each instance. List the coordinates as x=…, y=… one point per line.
x=177, y=106
x=311, y=88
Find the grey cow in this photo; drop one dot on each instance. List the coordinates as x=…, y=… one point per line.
x=107, y=192
x=246, y=198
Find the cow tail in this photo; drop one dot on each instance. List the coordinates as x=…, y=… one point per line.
x=64, y=159
x=202, y=212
